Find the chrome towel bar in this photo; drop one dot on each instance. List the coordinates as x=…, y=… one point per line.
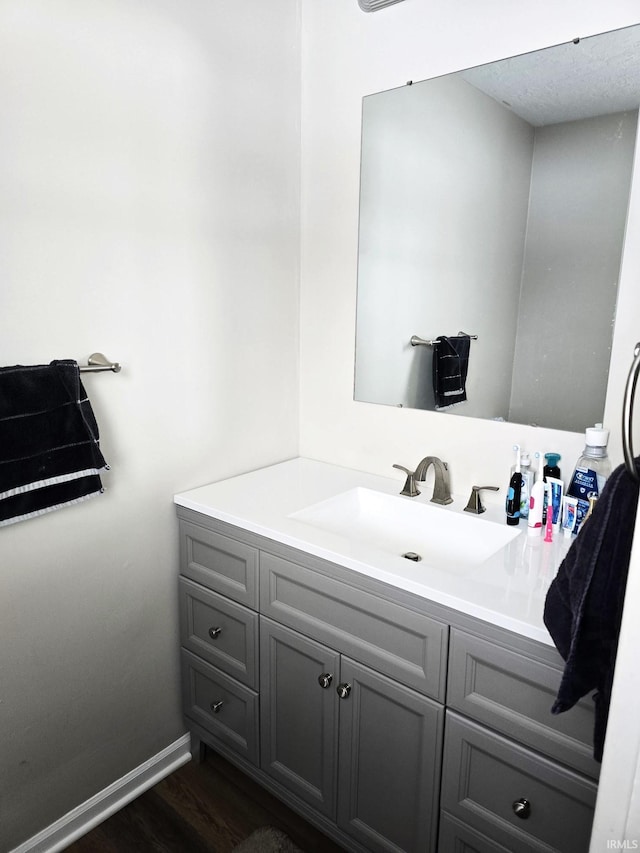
x=627, y=414
x=98, y=363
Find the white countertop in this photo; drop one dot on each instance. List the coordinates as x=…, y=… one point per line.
x=508, y=589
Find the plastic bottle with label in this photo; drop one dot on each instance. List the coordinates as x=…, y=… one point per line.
x=551, y=465
x=550, y=470
x=591, y=471
x=536, y=500
x=526, y=484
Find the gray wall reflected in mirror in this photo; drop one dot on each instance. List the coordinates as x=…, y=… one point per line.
x=494, y=201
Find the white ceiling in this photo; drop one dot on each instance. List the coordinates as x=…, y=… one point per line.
x=598, y=75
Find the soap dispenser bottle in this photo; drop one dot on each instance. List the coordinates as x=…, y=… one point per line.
x=591, y=471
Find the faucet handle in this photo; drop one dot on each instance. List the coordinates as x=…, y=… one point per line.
x=475, y=505
x=410, y=489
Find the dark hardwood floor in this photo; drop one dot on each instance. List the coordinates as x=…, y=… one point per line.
x=207, y=807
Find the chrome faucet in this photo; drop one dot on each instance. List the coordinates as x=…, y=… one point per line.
x=441, y=490
x=474, y=504
x=409, y=489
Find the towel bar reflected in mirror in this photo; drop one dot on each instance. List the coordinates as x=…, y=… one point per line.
x=419, y=342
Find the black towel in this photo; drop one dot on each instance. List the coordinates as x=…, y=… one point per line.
x=583, y=607
x=450, y=364
x=49, y=451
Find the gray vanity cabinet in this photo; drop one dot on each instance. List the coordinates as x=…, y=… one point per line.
x=390, y=722
x=362, y=749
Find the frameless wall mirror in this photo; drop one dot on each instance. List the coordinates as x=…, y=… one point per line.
x=374, y=5
x=494, y=201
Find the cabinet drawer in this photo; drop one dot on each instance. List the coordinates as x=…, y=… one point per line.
x=222, y=632
x=513, y=693
x=219, y=563
x=485, y=776
x=455, y=837
x=221, y=705
x=401, y=643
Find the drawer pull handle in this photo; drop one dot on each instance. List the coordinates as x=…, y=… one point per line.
x=343, y=690
x=325, y=680
x=521, y=808
x=214, y=633
x=215, y=706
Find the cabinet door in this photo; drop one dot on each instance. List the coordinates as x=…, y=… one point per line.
x=389, y=762
x=299, y=714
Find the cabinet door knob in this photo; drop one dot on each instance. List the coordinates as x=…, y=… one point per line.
x=325, y=680
x=521, y=808
x=343, y=690
x=215, y=706
x=214, y=633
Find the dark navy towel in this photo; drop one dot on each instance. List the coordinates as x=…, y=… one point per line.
x=449, y=368
x=49, y=442
x=583, y=608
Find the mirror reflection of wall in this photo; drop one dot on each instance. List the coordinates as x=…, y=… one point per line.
x=578, y=204
x=502, y=220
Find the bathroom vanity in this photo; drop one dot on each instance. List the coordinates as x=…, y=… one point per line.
x=397, y=705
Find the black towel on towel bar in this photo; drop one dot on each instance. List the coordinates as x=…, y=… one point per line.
x=450, y=365
x=49, y=442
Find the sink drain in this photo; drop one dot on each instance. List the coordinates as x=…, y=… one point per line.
x=411, y=555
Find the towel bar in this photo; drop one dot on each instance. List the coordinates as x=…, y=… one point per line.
x=99, y=363
x=419, y=342
x=627, y=414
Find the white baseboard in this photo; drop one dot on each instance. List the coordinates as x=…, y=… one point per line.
x=93, y=811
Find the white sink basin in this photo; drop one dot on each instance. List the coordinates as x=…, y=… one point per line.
x=398, y=525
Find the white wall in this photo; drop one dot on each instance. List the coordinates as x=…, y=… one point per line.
x=149, y=208
x=347, y=54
